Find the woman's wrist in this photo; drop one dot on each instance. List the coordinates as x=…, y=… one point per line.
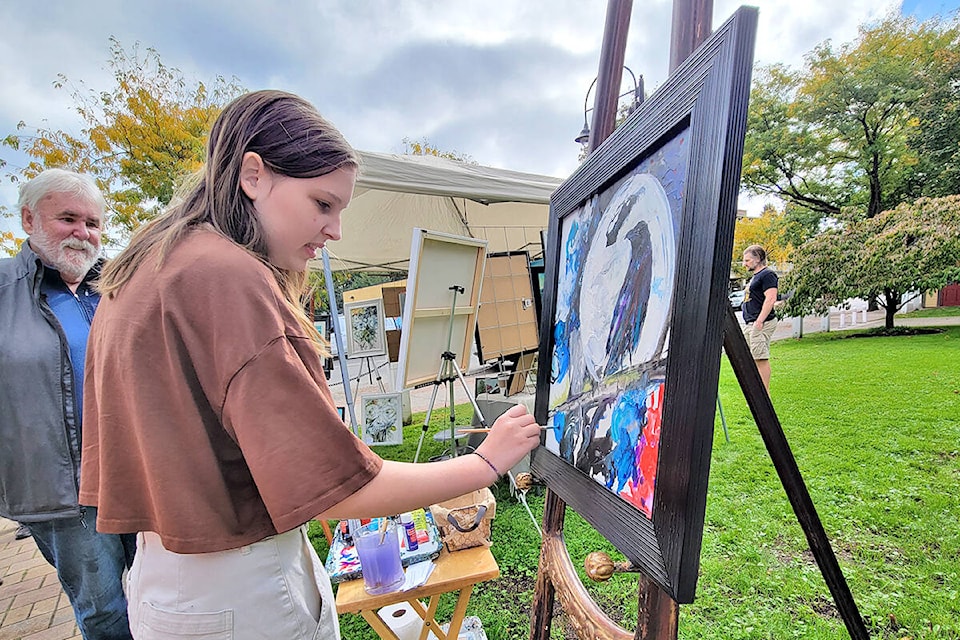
x=489, y=465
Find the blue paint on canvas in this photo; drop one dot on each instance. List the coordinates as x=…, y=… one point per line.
x=626, y=425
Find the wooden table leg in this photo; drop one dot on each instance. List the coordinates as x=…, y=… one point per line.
x=429, y=615
x=378, y=625
x=430, y=619
x=459, y=612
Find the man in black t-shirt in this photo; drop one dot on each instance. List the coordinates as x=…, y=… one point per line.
x=758, y=309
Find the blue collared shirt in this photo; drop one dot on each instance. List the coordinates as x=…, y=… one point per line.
x=74, y=311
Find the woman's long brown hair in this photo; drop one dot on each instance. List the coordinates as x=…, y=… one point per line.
x=292, y=139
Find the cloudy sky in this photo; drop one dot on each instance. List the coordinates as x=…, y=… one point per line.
x=503, y=81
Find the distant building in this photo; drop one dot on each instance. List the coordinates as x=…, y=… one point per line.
x=949, y=296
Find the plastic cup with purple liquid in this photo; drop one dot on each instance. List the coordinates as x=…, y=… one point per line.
x=378, y=547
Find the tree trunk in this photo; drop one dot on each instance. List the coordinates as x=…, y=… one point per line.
x=892, y=299
x=874, y=207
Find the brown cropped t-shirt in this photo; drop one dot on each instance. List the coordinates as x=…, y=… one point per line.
x=207, y=417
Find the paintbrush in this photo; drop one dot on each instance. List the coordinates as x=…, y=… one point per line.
x=383, y=529
x=487, y=430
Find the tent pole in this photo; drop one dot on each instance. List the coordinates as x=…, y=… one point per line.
x=338, y=336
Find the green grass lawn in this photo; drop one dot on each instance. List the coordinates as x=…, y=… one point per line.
x=933, y=312
x=875, y=428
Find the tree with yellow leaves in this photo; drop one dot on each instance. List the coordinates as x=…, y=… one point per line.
x=424, y=147
x=139, y=140
x=772, y=230
x=9, y=244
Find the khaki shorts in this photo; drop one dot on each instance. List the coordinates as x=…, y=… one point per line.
x=759, y=341
x=275, y=588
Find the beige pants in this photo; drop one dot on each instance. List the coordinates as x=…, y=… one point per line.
x=759, y=341
x=274, y=588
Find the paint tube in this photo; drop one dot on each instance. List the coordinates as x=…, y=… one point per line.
x=345, y=533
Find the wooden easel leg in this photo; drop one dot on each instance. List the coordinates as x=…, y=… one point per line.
x=658, y=614
x=541, y=615
x=556, y=576
x=327, y=533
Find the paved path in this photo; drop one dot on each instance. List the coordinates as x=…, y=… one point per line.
x=33, y=607
x=32, y=604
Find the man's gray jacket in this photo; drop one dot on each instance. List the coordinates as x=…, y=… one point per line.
x=39, y=434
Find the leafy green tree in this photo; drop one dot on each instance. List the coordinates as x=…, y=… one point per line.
x=914, y=247
x=936, y=136
x=140, y=138
x=783, y=154
x=840, y=137
x=344, y=281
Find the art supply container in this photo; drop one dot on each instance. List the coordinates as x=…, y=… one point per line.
x=465, y=521
x=378, y=548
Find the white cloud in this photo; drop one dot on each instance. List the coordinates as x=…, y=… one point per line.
x=500, y=80
x=788, y=29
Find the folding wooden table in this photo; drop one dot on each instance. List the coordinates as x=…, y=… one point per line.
x=457, y=571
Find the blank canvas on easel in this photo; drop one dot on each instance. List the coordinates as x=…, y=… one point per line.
x=438, y=262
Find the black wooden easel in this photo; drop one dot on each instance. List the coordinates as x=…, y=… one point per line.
x=775, y=440
x=658, y=612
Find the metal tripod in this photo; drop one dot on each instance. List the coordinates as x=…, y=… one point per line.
x=372, y=369
x=449, y=370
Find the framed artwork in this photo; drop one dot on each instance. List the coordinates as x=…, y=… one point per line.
x=382, y=415
x=364, y=328
x=507, y=316
x=485, y=385
x=440, y=306
x=322, y=324
x=636, y=272
x=342, y=412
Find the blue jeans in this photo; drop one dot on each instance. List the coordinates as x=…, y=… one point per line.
x=90, y=567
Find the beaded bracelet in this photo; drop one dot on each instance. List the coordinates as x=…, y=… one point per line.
x=489, y=464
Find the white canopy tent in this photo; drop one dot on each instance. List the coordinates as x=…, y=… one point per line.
x=396, y=193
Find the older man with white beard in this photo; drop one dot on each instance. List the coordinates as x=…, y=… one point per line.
x=47, y=301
